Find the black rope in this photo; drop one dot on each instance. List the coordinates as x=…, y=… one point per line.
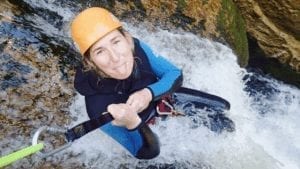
x=83, y=128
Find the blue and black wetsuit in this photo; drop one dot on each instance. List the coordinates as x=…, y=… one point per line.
x=150, y=71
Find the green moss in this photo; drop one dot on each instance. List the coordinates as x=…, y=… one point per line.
x=232, y=27
x=181, y=4
x=204, y=2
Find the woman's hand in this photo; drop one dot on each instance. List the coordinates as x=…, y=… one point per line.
x=124, y=115
x=139, y=100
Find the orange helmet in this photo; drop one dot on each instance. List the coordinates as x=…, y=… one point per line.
x=91, y=25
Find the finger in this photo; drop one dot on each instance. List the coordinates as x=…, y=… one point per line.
x=134, y=105
x=111, y=108
x=130, y=100
x=115, y=123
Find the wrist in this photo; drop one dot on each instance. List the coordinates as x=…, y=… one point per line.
x=135, y=123
x=148, y=93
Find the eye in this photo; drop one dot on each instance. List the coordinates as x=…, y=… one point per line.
x=116, y=42
x=100, y=51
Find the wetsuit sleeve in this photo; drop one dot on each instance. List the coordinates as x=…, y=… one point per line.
x=170, y=77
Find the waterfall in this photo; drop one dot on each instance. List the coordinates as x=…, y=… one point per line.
x=265, y=111
x=266, y=120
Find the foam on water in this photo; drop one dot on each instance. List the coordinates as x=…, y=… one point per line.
x=269, y=140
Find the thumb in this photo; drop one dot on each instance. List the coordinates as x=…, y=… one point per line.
x=130, y=100
x=115, y=123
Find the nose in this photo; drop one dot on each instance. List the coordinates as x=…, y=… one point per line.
x=114, y=55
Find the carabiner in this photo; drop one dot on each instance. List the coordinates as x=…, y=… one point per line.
x=53, y=131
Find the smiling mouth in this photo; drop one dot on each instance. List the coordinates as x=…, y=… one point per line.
x=123, y=64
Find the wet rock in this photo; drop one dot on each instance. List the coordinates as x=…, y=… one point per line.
x=276, y=27
x=36, y=71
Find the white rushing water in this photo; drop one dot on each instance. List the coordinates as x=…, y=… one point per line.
x=267, y=141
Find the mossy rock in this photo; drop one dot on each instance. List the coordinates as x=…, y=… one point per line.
x=232, y=27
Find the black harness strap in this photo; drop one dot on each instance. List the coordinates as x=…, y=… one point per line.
x=83, y=128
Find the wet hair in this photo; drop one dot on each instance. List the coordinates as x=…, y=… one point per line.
x=89, y=65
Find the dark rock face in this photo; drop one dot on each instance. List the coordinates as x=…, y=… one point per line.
x=276, y=27
x=36, y=72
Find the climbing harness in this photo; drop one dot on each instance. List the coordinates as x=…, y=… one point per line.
x=165, y=107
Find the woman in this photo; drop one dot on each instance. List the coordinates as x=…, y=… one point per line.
x=122, y=76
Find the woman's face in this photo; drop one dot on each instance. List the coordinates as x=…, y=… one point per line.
x=113, y=55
